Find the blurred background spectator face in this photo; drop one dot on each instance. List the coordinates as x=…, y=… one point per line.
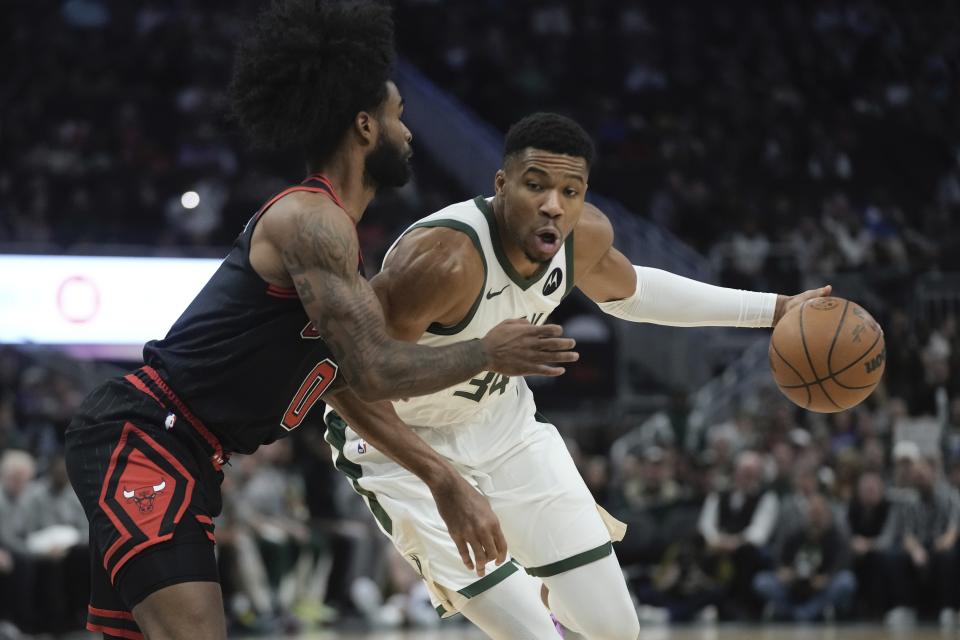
x=17, y=469
x=748, y=476
x=906, y=454
x=819, y=515
x=870, y=490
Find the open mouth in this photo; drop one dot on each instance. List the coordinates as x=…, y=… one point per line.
x=547, y=241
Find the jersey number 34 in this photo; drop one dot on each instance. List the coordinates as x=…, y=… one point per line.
x=488, y=384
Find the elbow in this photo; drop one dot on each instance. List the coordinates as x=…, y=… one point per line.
x=373, y=388
x=367, y=390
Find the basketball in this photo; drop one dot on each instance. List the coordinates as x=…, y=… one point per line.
x=827, y=355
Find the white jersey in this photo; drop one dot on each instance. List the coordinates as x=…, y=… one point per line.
x=489, y=430
x=505, y=295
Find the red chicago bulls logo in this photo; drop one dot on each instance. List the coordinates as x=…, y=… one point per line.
x=144, y=497
x=145, y=494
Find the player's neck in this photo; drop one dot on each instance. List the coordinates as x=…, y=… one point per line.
x=346, y=175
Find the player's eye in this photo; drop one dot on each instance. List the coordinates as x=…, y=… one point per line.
x=533, y=186
x=571, y=193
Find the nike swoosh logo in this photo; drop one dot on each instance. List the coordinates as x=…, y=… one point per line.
x=491, y=294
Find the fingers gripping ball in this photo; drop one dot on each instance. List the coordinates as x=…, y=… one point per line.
x=827, y=355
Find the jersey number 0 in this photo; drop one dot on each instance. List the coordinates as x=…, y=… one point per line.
x=309, y=392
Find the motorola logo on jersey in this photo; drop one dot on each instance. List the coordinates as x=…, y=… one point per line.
x=553, y=281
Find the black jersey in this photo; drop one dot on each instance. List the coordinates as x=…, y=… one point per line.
x=244, y=356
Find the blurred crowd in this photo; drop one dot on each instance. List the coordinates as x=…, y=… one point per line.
x=830, y=125
x=792, y=143
x=97, y=150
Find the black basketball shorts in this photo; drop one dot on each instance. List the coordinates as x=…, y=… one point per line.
x=148, y=476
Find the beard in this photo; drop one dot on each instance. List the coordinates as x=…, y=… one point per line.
x=387, y=165
x=535, y=259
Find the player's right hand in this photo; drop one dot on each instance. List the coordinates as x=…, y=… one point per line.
x=518, y=348
x=470, y=522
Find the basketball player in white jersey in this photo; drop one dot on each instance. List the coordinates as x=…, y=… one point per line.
x=452, y=276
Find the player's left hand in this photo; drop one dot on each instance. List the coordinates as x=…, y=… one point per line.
x=786, y=303
x=470, y=522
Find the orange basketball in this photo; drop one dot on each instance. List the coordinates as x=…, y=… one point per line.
x=827, y=355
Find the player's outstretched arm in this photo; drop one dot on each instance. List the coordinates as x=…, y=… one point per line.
x=470, y=521
x=644, y=294
x=318, y=247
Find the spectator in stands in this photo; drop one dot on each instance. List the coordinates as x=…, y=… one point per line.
x=745, y=255
x=793, y=508
x=906, y=456
x=811, y=579
x=272, y=504
x=648, y=481
x=870, y=522
x=57, y=534
x=922, y=569
x=736, y=526
x=784, y=460
x=20, y=602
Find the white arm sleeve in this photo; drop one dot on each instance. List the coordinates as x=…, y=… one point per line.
x=665, y=298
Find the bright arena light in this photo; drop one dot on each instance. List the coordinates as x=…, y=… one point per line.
x=190, y=200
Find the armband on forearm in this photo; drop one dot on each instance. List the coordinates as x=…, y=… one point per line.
x=662, y=297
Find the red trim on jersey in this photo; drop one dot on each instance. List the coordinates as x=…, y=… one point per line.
x=282, y=292
x=285, y=192
x=218, y=458
x=204, y=519
x=333, y=192
x=328, y=191
x=139, y=384
x=110, y=613
x=120, y=633
x=125, y=534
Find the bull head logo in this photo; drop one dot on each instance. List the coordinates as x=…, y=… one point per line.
x=144, y=496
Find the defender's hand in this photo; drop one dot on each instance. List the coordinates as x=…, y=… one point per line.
x=518, y=348
x=471, y=523
x=786, y=303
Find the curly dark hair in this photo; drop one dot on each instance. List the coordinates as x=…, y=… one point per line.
x=549, y=132
x=307, y=67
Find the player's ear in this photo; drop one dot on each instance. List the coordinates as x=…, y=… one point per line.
x=498, y=181
x=366, y=127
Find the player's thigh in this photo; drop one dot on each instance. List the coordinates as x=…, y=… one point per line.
x=407, y=512
x=183, y=611
x=546, y=511
x=149, y=506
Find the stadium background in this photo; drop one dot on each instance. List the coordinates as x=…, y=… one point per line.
x=768, y=146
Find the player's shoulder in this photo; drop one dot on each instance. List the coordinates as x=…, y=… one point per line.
x=594, y=224
x=294, y=212
x=436, y=254
x=593, y=235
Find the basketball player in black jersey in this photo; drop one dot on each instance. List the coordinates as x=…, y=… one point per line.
x=285, y=319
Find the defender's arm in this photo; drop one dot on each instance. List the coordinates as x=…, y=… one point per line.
x=319, y=249
x=470, y=521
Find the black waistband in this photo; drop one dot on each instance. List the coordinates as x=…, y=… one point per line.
x=147, y=380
